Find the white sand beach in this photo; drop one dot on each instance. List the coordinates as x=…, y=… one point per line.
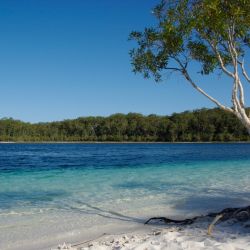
x=226, y=236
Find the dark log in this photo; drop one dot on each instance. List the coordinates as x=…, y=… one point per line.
x=240, y=214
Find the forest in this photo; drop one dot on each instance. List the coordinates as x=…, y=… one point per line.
x=204, y=125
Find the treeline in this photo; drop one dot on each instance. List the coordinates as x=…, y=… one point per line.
x=196, y=126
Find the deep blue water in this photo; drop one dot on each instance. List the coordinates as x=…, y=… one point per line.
x=45, y=157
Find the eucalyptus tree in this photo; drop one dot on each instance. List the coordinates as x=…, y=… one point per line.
x=213, y=33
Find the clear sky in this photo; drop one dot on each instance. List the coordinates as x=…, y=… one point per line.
x=63, y=59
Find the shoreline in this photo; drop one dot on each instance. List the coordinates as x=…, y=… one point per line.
x=120, y=142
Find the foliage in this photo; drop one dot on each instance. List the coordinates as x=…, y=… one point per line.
x=196, y=126
x=214, y=34
x=188, y=31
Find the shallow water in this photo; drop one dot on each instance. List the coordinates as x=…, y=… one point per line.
x=56, y=192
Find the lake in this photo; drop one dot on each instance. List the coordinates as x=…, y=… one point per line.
x=57, y=192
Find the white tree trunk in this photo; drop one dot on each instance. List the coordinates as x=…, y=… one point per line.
x=238, y=99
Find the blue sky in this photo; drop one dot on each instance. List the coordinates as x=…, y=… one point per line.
x=63, y=59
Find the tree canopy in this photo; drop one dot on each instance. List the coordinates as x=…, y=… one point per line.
x=213, y=33
x=196, y=126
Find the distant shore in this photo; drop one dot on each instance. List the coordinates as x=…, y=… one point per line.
x=120, y=142
x=205, y=125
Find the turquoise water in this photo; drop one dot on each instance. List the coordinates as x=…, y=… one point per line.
x=61, y=191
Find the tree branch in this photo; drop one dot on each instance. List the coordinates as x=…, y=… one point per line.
x=188, y=78
x=207, y=95
x=222, y=64
x=243, y=70
x=173, y=68
x=237, y=82
x=242, y=99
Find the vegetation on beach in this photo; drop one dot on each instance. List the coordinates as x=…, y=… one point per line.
x=190, y=126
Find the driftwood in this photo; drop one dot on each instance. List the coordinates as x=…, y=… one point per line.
x=239, y=214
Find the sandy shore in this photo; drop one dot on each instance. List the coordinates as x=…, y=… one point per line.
x=226, y=236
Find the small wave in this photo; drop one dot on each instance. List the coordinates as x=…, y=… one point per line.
x=23, y=213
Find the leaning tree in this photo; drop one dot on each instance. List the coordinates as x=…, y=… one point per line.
x=213, y=33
